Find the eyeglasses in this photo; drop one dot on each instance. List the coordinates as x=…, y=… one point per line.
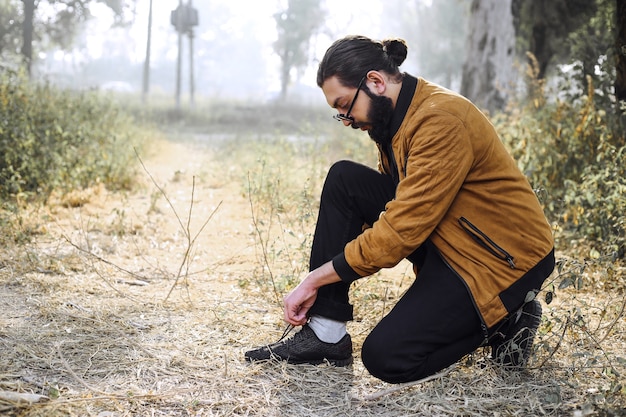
x=345, y=117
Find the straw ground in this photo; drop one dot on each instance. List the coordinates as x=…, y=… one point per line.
x=143, y=304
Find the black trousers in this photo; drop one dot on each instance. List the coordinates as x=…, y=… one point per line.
x=435, y=322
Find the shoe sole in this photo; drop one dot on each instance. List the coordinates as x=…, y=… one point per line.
x=339, y=363
x=333, y=362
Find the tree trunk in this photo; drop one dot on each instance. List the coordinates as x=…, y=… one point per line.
x=539, y=45
x=620, y=43
x=27, y=34
x=488, y=69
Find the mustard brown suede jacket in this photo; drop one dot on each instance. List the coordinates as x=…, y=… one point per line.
x=458, y=186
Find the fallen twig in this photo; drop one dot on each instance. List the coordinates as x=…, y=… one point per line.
x=21, y=397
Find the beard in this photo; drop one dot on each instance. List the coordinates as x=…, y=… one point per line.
x=379, y=117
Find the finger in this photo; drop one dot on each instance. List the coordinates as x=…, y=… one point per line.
x=295, y=321
x=292, y=315
x=297, y=318
x=303, y=313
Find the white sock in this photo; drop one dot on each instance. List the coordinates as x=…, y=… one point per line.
x=328, y=330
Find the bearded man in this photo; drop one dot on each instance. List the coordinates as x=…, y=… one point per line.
x=446, y=196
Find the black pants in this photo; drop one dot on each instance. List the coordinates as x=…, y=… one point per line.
x=433, y=325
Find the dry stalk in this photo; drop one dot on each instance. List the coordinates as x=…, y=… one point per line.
x=558, y=345
x=183, y=268
x=619, y=316
x=107, y=262
x=263, y=242
x=69, y=369
x=186, y=228
x=186, y=262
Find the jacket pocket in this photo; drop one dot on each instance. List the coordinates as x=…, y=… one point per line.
x=483, y=240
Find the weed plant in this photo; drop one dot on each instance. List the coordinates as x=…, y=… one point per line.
x=572, y=147
x=60, y=140
x=282, y=177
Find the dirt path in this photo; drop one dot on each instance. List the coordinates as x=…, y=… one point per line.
x=155, y=224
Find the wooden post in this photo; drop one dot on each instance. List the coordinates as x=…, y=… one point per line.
x=180, y=53
x=620, y=46
x=192, y=86
x=146, y=64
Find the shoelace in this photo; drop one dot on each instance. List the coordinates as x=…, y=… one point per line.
x=288, y=330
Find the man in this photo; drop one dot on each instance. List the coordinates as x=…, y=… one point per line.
x=448, y=197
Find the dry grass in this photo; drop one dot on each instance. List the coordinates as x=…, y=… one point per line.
x=87, y=319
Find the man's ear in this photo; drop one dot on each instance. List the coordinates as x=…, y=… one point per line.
x=376, y=82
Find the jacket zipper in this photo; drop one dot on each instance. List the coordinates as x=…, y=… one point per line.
x=486, y=242
x=483, y=325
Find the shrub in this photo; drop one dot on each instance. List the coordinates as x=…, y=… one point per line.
x=53, y=139
x=574, y=151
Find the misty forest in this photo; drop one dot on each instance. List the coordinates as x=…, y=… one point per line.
x=161, y=163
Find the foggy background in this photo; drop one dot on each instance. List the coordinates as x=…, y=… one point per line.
x=233, y=54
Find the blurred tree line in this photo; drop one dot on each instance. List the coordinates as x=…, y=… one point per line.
x=43, y=25
x=469, y=44
x=68, y=25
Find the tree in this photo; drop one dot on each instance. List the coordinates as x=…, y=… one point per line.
x=488, y=69
x=620, y=50
x=58, y=28
x=443, y=27
x=296, y=25
x=10, y=29
x=436, y=36
x=544, y=28
x=586, y=38
x=27, y=33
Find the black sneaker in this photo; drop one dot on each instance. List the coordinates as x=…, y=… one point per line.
x=511, y=348
x=305, y=347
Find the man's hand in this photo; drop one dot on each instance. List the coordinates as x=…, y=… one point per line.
x=299, y=301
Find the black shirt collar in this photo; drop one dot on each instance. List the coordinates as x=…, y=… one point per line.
x=407, y=91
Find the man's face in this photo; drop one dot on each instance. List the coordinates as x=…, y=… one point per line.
x=370, y=112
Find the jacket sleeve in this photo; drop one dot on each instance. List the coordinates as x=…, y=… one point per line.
x=434, y=163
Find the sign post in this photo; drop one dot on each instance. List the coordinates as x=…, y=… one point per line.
x=184, y=18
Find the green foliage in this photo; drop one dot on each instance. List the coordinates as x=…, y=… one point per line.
x=60, y=140
x=594, y=35
x=574, y=149
x=10, y=27
x=552, y=43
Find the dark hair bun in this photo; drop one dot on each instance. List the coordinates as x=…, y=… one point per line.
x=396, y=49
